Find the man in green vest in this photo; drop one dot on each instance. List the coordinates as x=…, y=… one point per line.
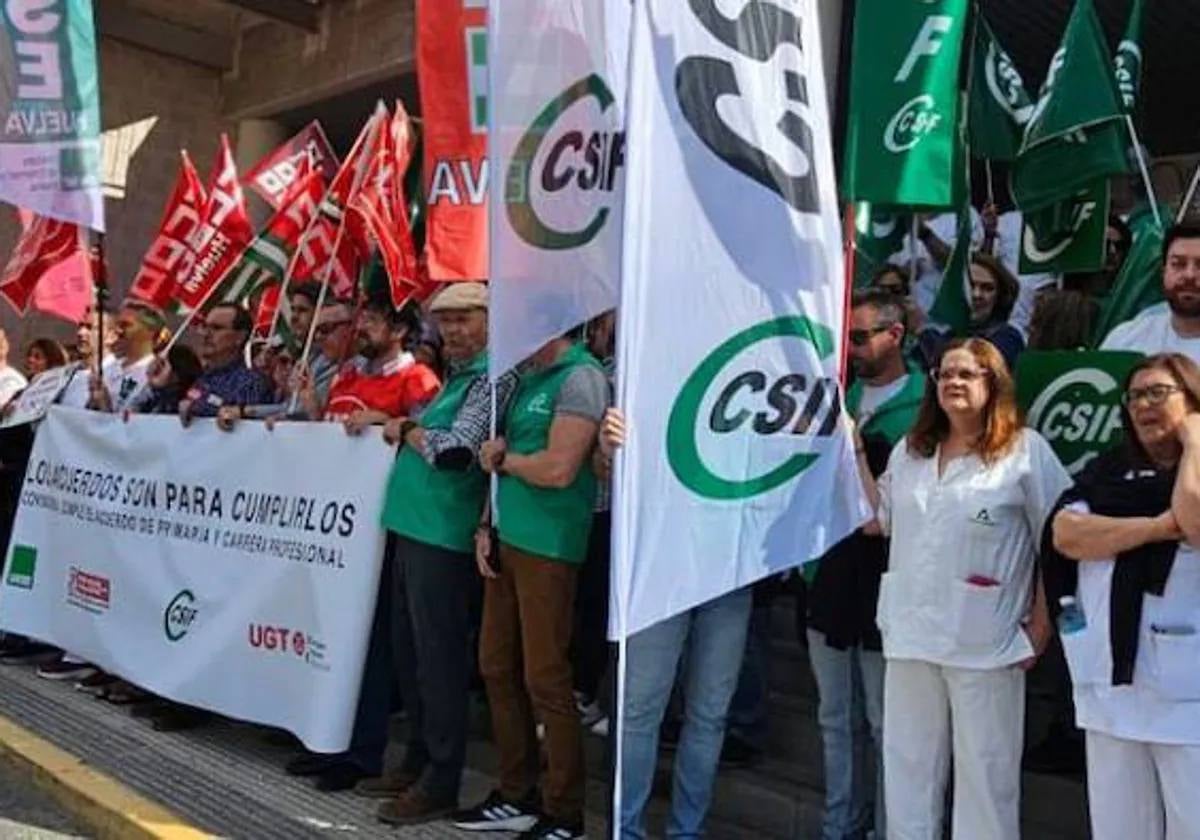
x=547, y=492
x=435, y=498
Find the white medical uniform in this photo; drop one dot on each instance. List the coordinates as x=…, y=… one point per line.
x=952, y=691
x=1143, y=739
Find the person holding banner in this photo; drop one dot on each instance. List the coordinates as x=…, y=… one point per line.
x=1122, y=561
x=547, y=490
x=435, y=497
x=226, y=381
x=12, y=382
x=1174, y=328
x=964, y=500
x=88, y=344
x=139, y=328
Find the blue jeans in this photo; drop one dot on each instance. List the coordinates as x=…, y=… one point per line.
x=850, y=685
x=748, y=708
x=714, y=638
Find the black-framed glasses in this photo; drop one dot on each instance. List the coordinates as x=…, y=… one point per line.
x=860, y=337
x=1152, y=394
x=329, y=326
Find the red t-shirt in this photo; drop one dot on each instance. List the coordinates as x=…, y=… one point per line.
x=398, y=390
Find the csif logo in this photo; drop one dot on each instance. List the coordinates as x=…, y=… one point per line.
x=1082, y=213
x=581, y=164
x=732, y=392
x=179, y=615
x=751, y=78
x=1078, y=413
x=920, y=116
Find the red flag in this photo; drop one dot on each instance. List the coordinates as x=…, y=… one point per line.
x=170, y=258
x=264, y=313
x=272, y=176
x=45, y=245
x=317, y=250
x=223, y=235
x=383, y=211
x=452, y=72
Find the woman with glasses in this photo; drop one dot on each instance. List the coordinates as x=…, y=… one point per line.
x=964, y=500
x=1124, y=564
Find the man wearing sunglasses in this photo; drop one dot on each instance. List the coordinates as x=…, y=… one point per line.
x=1175, y=327
x=842, y=636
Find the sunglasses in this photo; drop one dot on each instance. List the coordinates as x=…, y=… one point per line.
x=859, y=338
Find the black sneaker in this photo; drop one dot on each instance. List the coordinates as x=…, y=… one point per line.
x=551, y=829
x=499, y=814
x=27, y=652
x=62, y=670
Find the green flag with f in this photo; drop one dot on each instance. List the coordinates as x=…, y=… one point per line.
x=1000, y=107
x=1129, y=58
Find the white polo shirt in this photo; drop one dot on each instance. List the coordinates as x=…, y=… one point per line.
x=1152, y=332
x=974, y=523
x=1162, y=705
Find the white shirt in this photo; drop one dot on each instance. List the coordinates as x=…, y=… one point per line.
x=11, y=383
x=126, y=384
x=928, y=276
x=974, y=522
x=1162, y=705
x=76, y=394
x=1151, y=332
x=874, y=396
x=1009, y=230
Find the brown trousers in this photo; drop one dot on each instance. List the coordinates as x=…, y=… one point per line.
x=523, y=656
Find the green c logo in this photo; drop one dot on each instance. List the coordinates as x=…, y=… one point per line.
x=683, y=453
x=521, y=215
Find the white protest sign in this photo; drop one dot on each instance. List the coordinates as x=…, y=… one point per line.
x=236, y=571
x=40, y=394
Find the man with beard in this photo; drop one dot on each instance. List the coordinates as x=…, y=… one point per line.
x=842, y=636
x=391, y=383
x=1174, y=328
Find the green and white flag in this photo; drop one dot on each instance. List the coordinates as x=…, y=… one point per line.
x=903, y=145
x=1000, y=107
x=1129, y=58
x=50, y=111
x=1077, y=132
x=1138, y=285
x=878, y=233
x=952, y=306
x=1068, y=236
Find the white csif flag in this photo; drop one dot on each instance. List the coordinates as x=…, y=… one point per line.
x=557, y=154
x=738, y=462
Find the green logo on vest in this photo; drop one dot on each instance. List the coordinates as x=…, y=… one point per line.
x=581, y=163
x=731, y=404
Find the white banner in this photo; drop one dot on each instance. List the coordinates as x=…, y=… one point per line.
x=738, y=463
x=557, y=146
x=40, y=394
x=236, y=571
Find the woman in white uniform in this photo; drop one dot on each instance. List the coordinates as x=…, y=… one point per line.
x=964, y=498
x=1134, y=654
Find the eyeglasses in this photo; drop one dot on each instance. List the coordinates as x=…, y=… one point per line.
x=1153, y=394
x=204, y=326
x=860, y=337
x=967, y=375
x=329, y=326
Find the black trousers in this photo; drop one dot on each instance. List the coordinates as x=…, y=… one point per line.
x=589, y=642
x=435, y=595
x=369, y=739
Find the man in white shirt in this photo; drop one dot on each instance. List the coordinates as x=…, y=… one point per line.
x=11, y=380
x=139, y=327
x=1174, y=327
x=87, y=343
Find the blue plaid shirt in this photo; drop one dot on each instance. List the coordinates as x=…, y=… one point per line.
x=232, y=384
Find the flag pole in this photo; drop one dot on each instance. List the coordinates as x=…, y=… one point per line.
x=1188, y=196
x=851, y=251
x=364, y=166
x=991, y=186
x=100, y=286
x=1145, y=170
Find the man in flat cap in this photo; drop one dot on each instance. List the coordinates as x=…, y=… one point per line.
x=434, y=502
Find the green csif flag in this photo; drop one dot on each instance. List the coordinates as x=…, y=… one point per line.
x=1138, y=285
x=1077, y=132
x=1000, y=107
x=878, y=233
x=1068, y=236
x=903, y=145
x=1129, y=58
x=952, y=306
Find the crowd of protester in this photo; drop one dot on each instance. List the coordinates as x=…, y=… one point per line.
x=920, y=628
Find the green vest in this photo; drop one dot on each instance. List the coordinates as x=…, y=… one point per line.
x=547, y=522
x=432, y=506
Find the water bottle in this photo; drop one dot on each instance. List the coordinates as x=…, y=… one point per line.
x=1071, y=618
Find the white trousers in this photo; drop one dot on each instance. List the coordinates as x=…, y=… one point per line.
x=932, y=714
x=1143, y=790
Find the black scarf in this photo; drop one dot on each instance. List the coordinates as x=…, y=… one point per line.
x=1118, y=484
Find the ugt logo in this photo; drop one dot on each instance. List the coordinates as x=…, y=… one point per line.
x=739, y=392
x=758, y=38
